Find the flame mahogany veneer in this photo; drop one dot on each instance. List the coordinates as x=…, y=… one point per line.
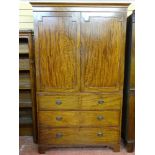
x=79, y=59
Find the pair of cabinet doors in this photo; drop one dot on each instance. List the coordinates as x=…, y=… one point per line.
x=79, y=51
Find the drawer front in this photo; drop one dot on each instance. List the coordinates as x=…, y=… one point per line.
x=80, y=102
x=78, y=136
x=100, y=102
x=78, y=118
x=58, y=102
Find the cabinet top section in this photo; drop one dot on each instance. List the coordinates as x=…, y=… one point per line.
x=78, y=4
x=76, y=7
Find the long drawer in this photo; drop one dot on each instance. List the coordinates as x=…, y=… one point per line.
x=80, y=102
x=78, y=136
x=78, y=118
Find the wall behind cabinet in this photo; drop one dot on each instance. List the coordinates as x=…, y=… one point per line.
x=25, y=15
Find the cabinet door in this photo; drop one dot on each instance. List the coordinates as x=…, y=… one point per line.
x=57, y=51
x=102, y=51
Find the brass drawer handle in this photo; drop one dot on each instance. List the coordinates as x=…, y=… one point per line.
x=100, y=101
x=59, y=118
x=100, y=117
x=59, y=135
x=100, y=134
x=58, y=102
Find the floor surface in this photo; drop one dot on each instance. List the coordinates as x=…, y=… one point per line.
x=27, y=147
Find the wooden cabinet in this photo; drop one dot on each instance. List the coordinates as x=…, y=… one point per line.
x=79, y=57
x=27, y=110
x=128, y=121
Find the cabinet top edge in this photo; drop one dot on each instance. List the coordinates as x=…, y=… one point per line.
x=78, y=4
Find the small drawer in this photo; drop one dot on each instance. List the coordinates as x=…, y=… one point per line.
x=101, y=102
x=58, y=102
x=24, y=64
x=78, y=136
x=78, y=118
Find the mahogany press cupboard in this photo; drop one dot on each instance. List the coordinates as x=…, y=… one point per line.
x=79, y=59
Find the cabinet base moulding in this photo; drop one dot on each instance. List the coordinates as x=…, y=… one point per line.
x=43, y=148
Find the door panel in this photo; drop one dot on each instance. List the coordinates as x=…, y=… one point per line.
x=58, y=53
x=102, y=51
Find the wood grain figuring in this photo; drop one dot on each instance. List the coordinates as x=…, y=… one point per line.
x=78, y=118
x=101, y=102
x=80, y=102
x=79, y=59
x=58, y=42
x=101, y=38
x=75, y=136
x=64, y=102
